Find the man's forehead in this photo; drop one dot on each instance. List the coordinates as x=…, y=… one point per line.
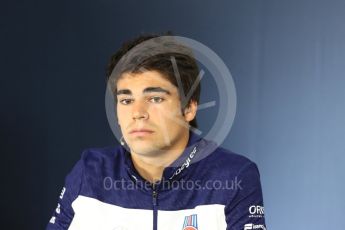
x=145, y=90
x=146, y=81
x=148, y=75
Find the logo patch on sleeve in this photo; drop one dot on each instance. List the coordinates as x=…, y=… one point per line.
x=190, y=222
x=256, y=211
x=254, y=226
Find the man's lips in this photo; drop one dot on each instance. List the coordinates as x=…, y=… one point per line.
x=140, y=131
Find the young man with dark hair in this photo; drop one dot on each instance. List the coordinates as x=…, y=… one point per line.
x=163, y=176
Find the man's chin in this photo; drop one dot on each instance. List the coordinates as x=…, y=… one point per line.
x=145, y=149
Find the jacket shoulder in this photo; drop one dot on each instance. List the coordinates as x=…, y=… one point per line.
x=230, y=162
x=90, y=155
x=97, y=160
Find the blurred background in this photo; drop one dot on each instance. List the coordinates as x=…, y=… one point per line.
x=287, y=59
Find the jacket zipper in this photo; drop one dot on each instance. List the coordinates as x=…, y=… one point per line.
x=154, y=202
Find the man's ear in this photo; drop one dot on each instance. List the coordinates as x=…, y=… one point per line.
x=190, y=111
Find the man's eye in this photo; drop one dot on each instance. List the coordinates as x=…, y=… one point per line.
x=125, y=101
x=156, y=99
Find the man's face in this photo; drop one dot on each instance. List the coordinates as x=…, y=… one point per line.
x=149, y=113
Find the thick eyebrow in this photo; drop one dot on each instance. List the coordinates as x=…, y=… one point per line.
x=124, y=91
x=156, y=89
x=146, y=90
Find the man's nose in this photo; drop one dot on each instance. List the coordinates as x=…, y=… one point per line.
x=139, y=110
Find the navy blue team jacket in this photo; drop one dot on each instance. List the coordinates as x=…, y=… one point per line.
x=199, y=191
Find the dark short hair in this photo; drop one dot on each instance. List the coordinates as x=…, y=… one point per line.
x=162, y=63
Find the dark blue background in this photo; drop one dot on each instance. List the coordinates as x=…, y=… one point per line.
x=288, y=63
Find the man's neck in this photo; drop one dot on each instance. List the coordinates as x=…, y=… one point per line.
x=151, y=167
